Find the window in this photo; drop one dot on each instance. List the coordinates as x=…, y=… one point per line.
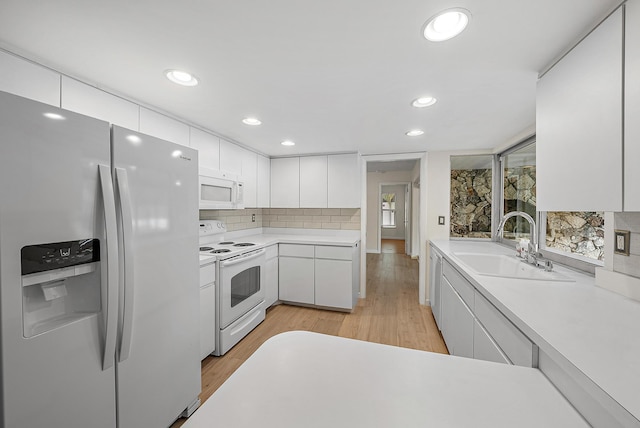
x=471, y=196
x=580, y=234
x=388, y=210
x=519, y=189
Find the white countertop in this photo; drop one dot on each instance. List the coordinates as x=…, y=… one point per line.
x=303, y=379
x=596, y=330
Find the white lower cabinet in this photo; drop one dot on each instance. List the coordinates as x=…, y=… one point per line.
x=484, y=347
x=472, y=327
x=207, y=309
x=271, y=276
x=296, y=273
x=459, y=322
x=320, y=275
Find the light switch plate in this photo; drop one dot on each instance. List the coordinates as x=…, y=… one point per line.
x=621, y=242
x=441, y=220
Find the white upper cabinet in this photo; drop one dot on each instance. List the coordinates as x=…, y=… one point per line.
x=313, y=182
x=250, y=177
x=90, y=101
x=29, y=80
x=208, y=147
x=285, y=183
x=579, y=124
x=230, y=157
x=264, y=182
x=632, y=108
x=343, y=181
x=161, y=126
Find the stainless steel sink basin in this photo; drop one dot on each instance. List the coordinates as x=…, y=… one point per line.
x=507, y=267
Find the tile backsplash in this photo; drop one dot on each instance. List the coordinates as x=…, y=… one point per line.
x=303, y=218
x=235, y=219
x=628, y=265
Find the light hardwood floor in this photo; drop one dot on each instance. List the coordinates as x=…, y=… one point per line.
x=392, y=246
x=390, y=314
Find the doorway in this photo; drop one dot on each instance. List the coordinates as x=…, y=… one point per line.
x=404, y=169
x=394, y=220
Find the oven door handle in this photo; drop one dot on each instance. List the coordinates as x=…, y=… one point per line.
x=241, y=259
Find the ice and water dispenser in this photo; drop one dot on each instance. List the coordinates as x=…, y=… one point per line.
x=60, y=284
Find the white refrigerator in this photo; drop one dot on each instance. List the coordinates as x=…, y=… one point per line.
x=98, y=273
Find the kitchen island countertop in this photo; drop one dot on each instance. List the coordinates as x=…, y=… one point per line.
x=303, y=379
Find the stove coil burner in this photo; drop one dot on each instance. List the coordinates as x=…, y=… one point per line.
x=206, y=248
x=244, y=244
x=226, y=243
x=220, y=250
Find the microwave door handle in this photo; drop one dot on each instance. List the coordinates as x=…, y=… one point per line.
x=242, y=259
x=127, y=247
x=111, y=242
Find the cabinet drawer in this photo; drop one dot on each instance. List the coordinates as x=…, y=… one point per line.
x=484, y=347
x=207, y=274
x=333, y=253
x=271, y=252
x=459, y=283
x=516, y=346
x=296, y=250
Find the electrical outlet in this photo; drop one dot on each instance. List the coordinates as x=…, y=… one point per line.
x=253, y=218
x=622, y=240
x=441, y=220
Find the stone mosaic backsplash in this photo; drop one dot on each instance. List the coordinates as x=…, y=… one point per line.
x=302, y=218
x=628, y=265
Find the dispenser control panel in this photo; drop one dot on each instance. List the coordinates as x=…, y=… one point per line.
x=57, y=255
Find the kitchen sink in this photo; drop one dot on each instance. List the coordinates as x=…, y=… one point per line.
x=507, y=267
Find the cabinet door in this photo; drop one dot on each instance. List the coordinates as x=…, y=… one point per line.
x=343, y=181
x=484, y=347
x=207, y=323
x=230, y=158
x=25, y=79
x=296, y=280
x=313, y=182
x=208, y=147
x=632, y=108
x=579, y=125
x=264, y=182
x=334, y=283
x=163, y=127
x=285, y=183
x=271, y=278
x=435, y=275
x=93, y=102
x=458, y=322
x=250, y=177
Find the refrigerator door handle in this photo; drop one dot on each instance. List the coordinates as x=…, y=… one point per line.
x=127, y=246
x=111, y=242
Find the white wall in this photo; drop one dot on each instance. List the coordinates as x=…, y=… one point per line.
x=397, y=232
x=374, y=179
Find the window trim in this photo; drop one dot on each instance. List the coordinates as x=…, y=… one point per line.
x=393, y=210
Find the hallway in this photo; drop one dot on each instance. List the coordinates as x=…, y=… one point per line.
x=390, y=315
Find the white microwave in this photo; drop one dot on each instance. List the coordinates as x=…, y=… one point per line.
x=220, y=190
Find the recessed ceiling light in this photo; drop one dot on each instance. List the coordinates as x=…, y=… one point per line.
x=424, y=102
x=251, y=121
x=288, y=143
x=446, y=24
x=54, y=116
x=181, y=77
x=414, y=132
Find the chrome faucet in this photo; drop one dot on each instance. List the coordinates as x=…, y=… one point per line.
x=533, y=236
x=533, y=257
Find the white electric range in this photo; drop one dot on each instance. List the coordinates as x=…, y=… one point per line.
x=240, y=280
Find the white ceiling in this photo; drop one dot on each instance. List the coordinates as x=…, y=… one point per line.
x=399, y=165
x=334, y=76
